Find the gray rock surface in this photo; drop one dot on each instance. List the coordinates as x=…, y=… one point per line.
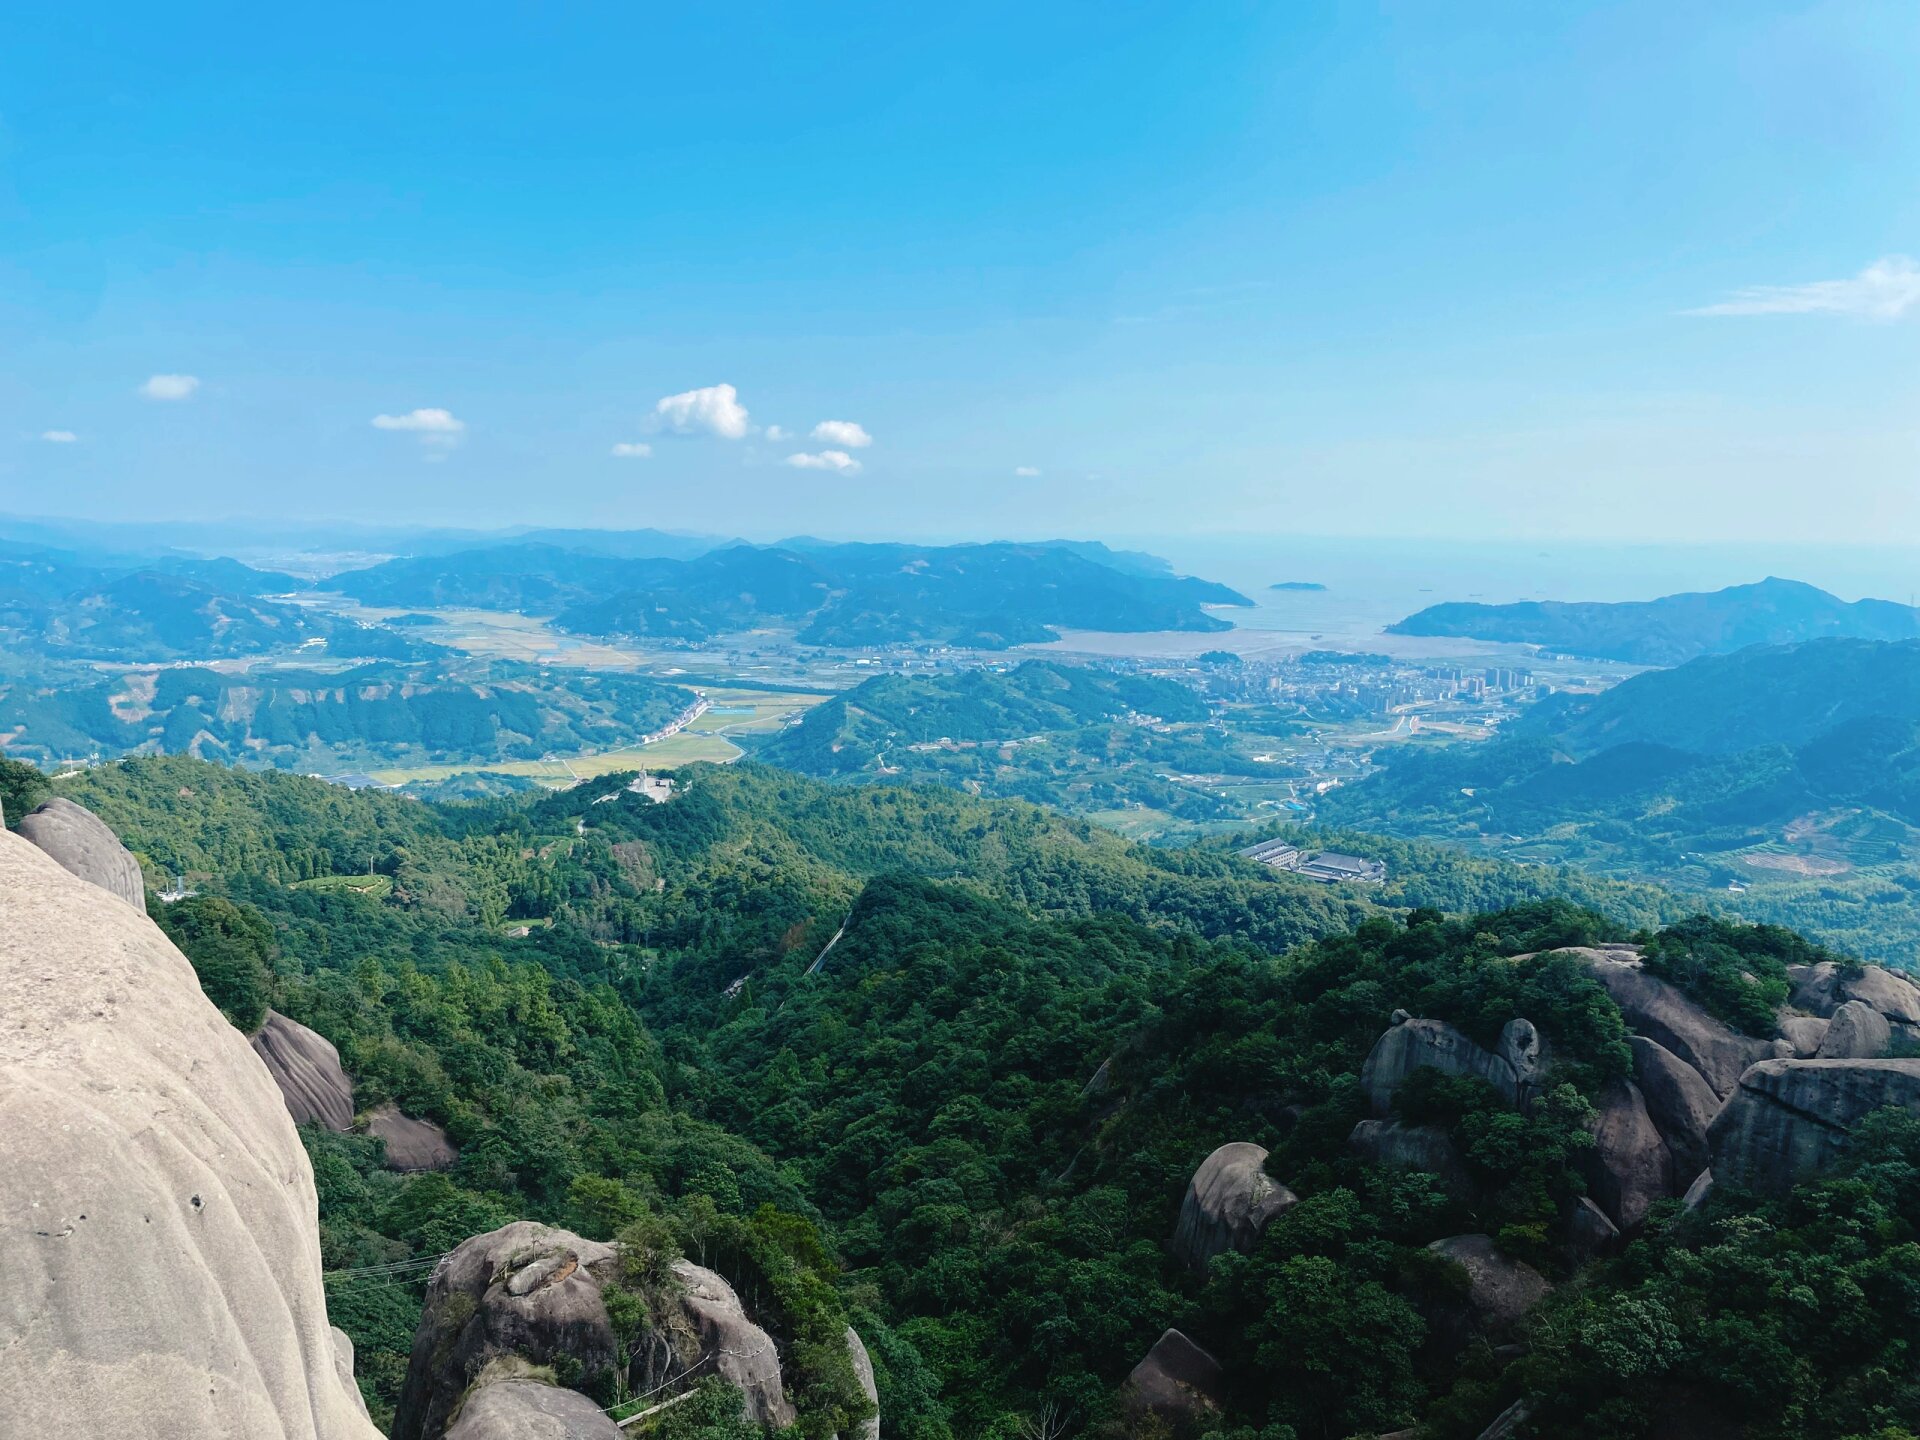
x=411, y=1144
x=1589, y=1233
x=530, y=1410
x=1229, y=1202
x=307, y=1069
x=162, y=1272
x=1417, y=1044
x=1681, y=1104
x=863, y=1372
x=732, y=1346
x=1698, y=1191
x=1629, y=1167
x=83, y=845
x=1177, y=1381
x=1528, y=1056
x=1824, y=988
x=1804, y=1033
x=1501, y=1288
x=1791, y=1117
x=1663, y=1013
x=525, y=1290
x=1856, y=1032
x=1395, y=1146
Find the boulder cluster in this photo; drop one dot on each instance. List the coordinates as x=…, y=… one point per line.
x=508, y=1311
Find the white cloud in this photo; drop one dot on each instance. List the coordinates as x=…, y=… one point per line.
x=847, y=433
x=170, y=387
x=58, y=437
x=715, y=409
x=1025, y=472
x=633, y=450
x=1885, y=290
x=428, y=422
x=826, y=460
x=779, y=432
x=437, y=428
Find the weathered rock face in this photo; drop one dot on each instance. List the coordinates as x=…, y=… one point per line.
x=1501, y=1289
x=1589, y=1233
x=1681, y=1104
x=1416, y=1044
x=1698, y=1191
x=1824, y=988
x=306, y=1067
x=411, y=1144
x=732, y=1346
x=1229, y=1202
x=523, y=1290
x=1629, y=1167
x=1791, y=1117
x=1804, y=1033
x=163, y=1276
x=1528, y=1055
x=83, y=845
x=1395, y=1146
x=1663, y=1013
x=1177, y=1381
x=1856, y=1032
x=529, y=1410
x=863, y=1372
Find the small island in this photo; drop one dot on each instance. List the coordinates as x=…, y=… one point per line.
x=1296, y=585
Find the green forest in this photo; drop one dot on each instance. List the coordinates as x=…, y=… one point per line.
x=966, y=1129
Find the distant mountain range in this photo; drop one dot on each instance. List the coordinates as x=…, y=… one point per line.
x=988, y=596
x=1787, y=764
x=1674, y=629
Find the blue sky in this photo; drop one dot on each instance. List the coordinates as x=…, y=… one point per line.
x=1127, y=270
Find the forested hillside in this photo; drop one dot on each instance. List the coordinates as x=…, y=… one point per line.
x=367, y=716
x=615, y=1011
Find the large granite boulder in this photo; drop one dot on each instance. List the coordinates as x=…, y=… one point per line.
x=1629, y=1167
x=1587, y=1231
x=1229, y=1202
x=1804, y=1033
x=726, y=1343
x=307, y=1069
x=83, y=845
x=1500, y=1289
x=162, y=1273
x=411, y=1144
x=530, y=1410
x=1824, y=988
x=869, y=1428
x=1681, y=1104
x=1790, y=1118
x=1528, y=1055
x=525, y=1291
x=1665, y=1014
x=1857, y=1031
x=1177, y=1381
x=1412, y=1045
x=1393, y=1145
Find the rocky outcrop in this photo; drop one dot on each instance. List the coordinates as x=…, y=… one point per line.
x=1589, y=1233
x=1822, y=989
x=524, y=1291
x=1698, y=1191
x=1680, y=1103
x=1177, y=1381
x=1528, y=1055
x=1664, y=1013
x=728, y=1344
x=163, y=1265
x=1500, y=1289
x=82, y=844
x=1394, y=1146
x=1804, y=1033
x=1411, y=1045
x=863, y=1372
x=1857, y=1031
x=1629, y=1167
x=530, y=1410
x=1792, y=1117
x=411, y=1144
x=1229, y=1202
x=307, y=1069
